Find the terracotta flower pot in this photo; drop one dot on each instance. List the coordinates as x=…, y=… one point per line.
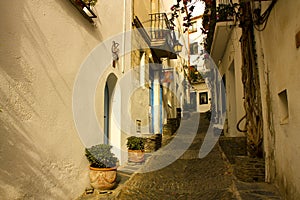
x=136, y=156
x=103, y=178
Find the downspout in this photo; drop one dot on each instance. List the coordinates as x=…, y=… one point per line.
x=123, y=36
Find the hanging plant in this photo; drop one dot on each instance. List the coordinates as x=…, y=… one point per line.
x=225, y=12
x=209, y=23
x=184, y=7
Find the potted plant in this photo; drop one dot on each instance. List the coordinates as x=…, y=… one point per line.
x=136, y=149
x=103, y=166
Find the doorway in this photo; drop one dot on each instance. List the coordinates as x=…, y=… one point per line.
x=111, y=99
x=106, y=114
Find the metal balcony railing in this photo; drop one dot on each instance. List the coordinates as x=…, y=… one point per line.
x=158, y=34
x=161, y=30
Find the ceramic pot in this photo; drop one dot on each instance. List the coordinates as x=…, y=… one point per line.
x=136, y=156
x=103, y=178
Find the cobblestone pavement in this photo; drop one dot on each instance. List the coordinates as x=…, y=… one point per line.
x=189, y=177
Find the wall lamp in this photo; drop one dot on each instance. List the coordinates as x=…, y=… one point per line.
x=177, y=47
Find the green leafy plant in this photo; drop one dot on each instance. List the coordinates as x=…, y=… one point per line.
x=135, y=143
x=100, y=156
x=90, y=2
x=225, y=12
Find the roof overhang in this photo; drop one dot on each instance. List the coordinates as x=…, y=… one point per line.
x=221, y=37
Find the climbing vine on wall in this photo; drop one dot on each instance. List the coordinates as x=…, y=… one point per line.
x=250, y=74
x=250, y=79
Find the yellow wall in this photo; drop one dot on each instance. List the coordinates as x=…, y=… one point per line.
x=43, y=44
x=279, y=60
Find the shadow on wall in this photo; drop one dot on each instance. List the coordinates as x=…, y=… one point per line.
x=24, y=172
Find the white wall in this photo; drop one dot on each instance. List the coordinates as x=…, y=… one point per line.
x=279, y=60
x=230, y=67
x=43, y=45
x=202, y=108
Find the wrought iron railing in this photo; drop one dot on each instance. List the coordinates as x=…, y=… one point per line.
x=161, y=29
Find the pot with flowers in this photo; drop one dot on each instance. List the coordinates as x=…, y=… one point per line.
x=103, y=166
x=136, y=149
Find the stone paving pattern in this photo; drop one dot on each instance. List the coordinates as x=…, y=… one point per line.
x=189, y=177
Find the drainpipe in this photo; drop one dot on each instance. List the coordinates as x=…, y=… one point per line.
x=123, y=36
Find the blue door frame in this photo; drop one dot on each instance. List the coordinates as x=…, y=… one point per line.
x=106, y=115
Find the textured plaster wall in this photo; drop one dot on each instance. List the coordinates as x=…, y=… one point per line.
x=234, y=102
x=43, y=44
x=142, y=9
x=140, y=99
x=281, y=71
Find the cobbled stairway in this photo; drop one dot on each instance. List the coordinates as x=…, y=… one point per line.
x=189, y=177
x=176, y=172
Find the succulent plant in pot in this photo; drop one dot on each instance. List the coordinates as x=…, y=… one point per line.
x=103, y=166
x=136, y=149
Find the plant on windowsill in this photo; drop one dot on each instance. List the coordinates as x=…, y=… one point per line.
x=85, y=7
x=90, y=2
x=87, y=2
x=136, y=149
x=103, y=166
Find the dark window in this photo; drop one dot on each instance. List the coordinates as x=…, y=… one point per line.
x=203, y=98
x=194, y=48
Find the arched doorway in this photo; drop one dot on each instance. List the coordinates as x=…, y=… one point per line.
x=112, y=107
x=106, y=114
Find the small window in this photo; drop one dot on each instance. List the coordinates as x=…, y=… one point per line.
x=193, y=27
x=194, y=48
x=283, y=107
x=203, y=98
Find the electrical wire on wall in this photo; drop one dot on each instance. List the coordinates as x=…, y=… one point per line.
x=262, y=19
x=239, y=123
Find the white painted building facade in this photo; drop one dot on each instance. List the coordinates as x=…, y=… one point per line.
x=46, y=45
x=277, y=48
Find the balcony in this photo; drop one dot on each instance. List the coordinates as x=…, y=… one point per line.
x=221, y=36
x=219, y=19
x=222, y=32
x=160, y=35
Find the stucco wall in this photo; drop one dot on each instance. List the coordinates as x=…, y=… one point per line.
x=281, y=72
x=43, y=44
x=230, y=67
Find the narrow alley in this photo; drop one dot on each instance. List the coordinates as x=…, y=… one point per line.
x=150, y=99
x=189, y=177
